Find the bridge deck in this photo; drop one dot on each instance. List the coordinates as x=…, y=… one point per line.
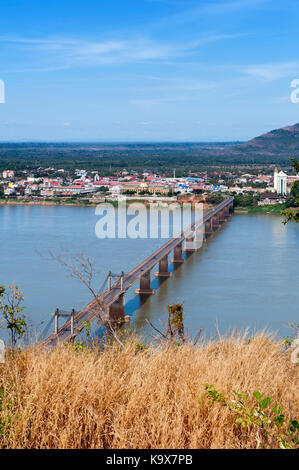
x=91, y=311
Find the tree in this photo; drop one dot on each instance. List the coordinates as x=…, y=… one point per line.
x=83, y=269
x=11, y=312
x=245, y=200
x=293, y=215
x=214, y=198
x=295, y=189
x=197, y=191
x=1, y=191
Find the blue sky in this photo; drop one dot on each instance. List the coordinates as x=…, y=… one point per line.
x=147, y=70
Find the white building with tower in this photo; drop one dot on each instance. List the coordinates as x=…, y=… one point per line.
x=280, y=182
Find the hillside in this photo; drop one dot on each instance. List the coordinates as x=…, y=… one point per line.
x=275, y=147
x=281, y=143
x=147, y=398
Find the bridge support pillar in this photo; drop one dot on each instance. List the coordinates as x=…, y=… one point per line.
x=208, y=228
x=163, y=268
x=190, y=246
x=215, y=222
x=221, y=216
x=56, y=321
x=116, y=311
x=145, y=285
x=178, y=254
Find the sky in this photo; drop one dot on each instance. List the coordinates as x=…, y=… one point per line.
x=147, y=70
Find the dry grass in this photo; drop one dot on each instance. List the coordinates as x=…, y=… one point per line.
x=120, y=399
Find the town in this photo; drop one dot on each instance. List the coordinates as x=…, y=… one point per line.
x=263, y=186
x=149, y=230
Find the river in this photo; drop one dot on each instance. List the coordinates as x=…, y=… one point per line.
x=246, y=275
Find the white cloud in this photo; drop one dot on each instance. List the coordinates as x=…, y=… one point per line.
x=119, y=52
x=66, y=53
x=271, y=72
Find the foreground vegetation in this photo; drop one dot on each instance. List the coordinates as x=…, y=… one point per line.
x=167, y=396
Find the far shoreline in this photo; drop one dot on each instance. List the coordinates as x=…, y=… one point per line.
x=76, y=204
x=267, y=210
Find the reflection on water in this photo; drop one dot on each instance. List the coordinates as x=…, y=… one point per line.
x=245, y=275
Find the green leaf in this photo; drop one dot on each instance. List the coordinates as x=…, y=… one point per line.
x=257, y=395
x=279, y=420
x=277, y=410
x=265, y=402
x=293, y=425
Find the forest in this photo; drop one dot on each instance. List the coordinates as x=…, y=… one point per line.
x=161, y=157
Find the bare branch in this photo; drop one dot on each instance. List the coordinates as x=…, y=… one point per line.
x=83, y=269
x=156, y=329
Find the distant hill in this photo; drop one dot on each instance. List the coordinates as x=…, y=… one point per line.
x=275, y=147
x=281, y=143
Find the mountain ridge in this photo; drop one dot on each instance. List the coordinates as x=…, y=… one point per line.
x=282, y=142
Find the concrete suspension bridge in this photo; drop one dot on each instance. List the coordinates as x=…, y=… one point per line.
x=111, y=303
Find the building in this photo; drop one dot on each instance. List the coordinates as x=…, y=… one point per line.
x=275, y=179
x=116, y=189
x=72, y=190
x=8, y=174
x=9, y=191
x=152, y=188
x=280, y=182
x=269, y=198
x=293, y=178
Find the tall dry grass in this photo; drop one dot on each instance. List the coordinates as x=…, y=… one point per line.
x=123, y=399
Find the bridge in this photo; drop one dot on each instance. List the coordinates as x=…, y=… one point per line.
x=112, y=301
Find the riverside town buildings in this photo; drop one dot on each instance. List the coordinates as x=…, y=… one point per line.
x=59, y=183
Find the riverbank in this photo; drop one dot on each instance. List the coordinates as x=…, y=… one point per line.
x=145, y=398
x=49, y=202
x=268, y=209
x=62, y=203
x=163, y=202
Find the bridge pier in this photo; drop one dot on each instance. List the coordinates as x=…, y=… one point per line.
x=215, y=222
x=190, y=245
x=178, y=254
x=163, y=268
x=221, y=216
x=208, y=228
x=145, y=285
x=116, y=311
